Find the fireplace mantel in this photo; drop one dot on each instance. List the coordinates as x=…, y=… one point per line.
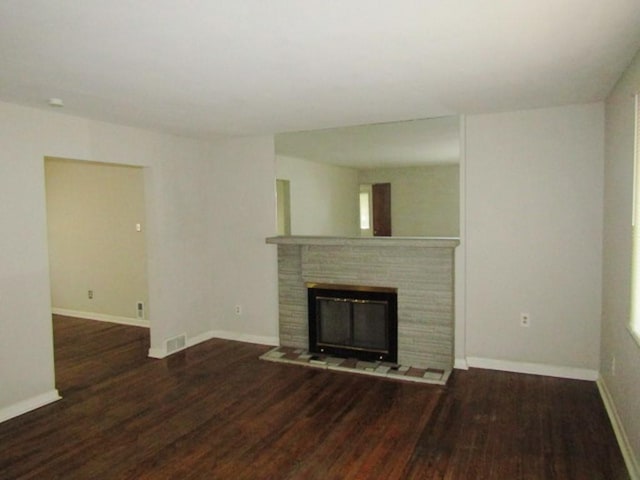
x=426, y=242
x=421, y=269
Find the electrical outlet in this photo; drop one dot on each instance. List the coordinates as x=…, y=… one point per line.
x=238, y=310
x=90, y=294
x=525, y=320
x=140, y=310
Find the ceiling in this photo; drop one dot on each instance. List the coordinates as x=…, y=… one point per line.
x=206, y=68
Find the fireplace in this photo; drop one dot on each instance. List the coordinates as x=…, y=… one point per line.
x=353, y=321
x=421, y=269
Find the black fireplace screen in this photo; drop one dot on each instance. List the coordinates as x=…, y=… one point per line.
x=354, y=322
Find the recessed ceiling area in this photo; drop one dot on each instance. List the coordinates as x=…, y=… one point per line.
x=206, y=69
x=433, y=141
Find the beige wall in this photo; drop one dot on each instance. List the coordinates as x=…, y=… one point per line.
x=92, y=212
x=324, y=198
x=623, y=382
x=425, y=201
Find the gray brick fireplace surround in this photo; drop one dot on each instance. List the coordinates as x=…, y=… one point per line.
x=422, y=270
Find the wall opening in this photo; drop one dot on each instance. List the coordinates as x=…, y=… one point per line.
x=96, y=236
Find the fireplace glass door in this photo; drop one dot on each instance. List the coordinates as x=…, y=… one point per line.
x=360, y=324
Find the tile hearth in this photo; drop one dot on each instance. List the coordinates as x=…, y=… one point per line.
x=297, y=356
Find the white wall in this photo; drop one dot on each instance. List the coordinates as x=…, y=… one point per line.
x=534, y=192
x=26, y=350
x=92, y=212
x=193, y=206
x=623, y=384
x=534, y=187
x=244, y=268
x=324, y=198
x=425, y=201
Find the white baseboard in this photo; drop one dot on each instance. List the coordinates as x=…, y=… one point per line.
x=623, y=441
x=101, y=317
x=29, y=404
x=534, y=368
x=203, y=337
x=191, y=341
x=244, y=337
x=158, y=352
x=223, y=334
x=461, y=364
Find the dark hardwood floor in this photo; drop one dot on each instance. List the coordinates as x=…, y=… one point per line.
x=217, y=412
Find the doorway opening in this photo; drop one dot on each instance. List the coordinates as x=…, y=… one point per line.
x=96, y=239
x=375, y=210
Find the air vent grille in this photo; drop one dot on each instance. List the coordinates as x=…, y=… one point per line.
x=176, y=343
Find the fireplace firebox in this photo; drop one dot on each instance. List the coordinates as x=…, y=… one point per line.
x=353, y=321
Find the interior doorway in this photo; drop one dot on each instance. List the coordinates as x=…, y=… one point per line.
x=381, y=209
x=96, y=237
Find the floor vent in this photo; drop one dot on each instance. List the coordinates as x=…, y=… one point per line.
x=176, y=343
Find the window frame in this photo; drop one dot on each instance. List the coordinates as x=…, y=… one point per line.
x=633, y=325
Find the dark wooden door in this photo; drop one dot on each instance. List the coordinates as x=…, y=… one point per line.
x=381, y=204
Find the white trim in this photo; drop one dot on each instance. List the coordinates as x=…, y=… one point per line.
x=461, y=364
x=534, y=368
x=633, y=466
x=101, y=317
x=636, y=152
x=222, y=334
x=159, y=352
x=460, y=256
x=203, y=337
x=633, y=334
x=244, y=337
x=29, y=404
x=190, y=342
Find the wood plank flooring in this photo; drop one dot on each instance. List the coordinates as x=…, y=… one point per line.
x=217, y=412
